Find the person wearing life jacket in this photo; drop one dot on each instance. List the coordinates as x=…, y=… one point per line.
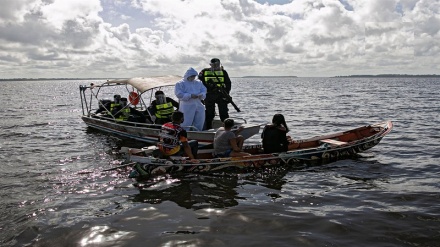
x=162, y=108
x=215, y=78
x=124, y=111
x=115, y=106
x=173, y=139
x=190, y=93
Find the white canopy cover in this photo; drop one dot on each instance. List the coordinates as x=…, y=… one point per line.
x=143, y=84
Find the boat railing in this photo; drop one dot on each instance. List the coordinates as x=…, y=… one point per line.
x=126, y=122
x=87, y=103
x=244, y=120
x=191, y=128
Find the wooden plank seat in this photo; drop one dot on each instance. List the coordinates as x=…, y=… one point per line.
x=333, y=142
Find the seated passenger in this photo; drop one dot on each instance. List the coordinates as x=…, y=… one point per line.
x=123, y=112
x=162, y=107
x=274, y=135
x=115, y=106
x=133, y=114
x=173, y=139
x=136, y=116
x=104, y=106
x=227, y=143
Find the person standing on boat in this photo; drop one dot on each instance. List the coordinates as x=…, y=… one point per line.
x=162, y=108
x=275, y=138
x=173, y=139
x=190, y=93
x=227, y=143
x=215, y=78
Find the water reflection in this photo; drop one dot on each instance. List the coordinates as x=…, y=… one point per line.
x=99, y=235
x=195, y=191
x=190, y=191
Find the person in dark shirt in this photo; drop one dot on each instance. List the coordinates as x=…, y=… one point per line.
x=275, y=138
x=104, y=106
x=110, y=108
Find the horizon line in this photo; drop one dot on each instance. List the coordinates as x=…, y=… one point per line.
x=250, y=76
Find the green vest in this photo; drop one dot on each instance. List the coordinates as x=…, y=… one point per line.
x=164, y=110
x=113, y=106
x=125, y=113
x=211, y=75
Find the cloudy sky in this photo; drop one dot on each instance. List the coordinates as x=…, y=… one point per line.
x=129, y=38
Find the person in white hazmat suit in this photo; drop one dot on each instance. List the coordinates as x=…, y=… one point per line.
x=190, y=92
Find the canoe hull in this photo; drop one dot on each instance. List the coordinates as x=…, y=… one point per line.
x=148, y=166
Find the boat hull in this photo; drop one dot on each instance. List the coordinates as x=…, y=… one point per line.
x=103, y=114
x=149, y=133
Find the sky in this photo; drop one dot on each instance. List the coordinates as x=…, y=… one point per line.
x=132, y=38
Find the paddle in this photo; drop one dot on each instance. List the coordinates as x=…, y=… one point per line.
x=117, y=167
x=110, y=169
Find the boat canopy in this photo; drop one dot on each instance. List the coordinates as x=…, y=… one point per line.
x=143, y=84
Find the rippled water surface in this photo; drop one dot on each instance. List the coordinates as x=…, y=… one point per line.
x=55, y=193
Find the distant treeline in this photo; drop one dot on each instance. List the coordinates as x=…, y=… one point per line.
x=278, y=76
x=390, y=75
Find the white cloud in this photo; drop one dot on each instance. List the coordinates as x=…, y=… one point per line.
x=115, y=38
x=58, y=12
x=15, y=10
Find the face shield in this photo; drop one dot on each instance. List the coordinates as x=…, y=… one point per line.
x=160, y=99
x=215, y=63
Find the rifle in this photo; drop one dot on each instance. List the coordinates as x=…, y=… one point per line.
x=225, y=95
x=228, y=98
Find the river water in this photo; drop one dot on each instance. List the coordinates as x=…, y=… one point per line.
x=54, y=191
